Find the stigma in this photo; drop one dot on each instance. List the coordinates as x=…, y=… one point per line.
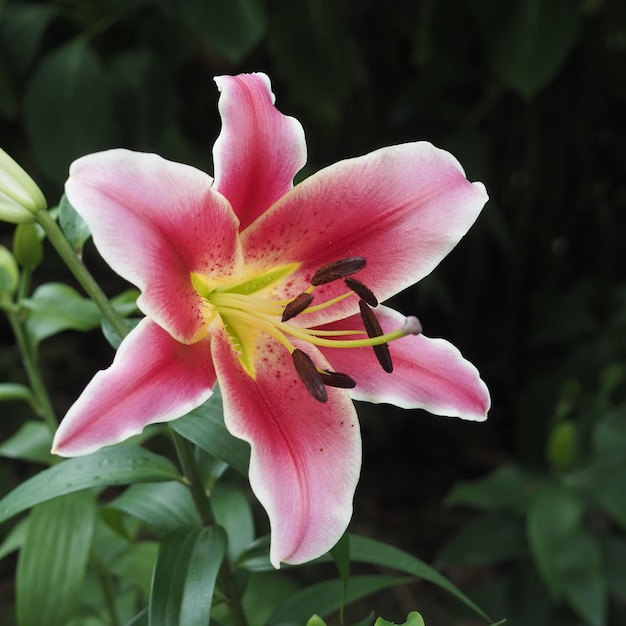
x=248, y=307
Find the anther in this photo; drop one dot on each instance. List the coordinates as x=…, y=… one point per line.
x=296, y=306
x=361, y=290
x=338, y=269
x=309, y=375
x=337, y=379
x=373, y=329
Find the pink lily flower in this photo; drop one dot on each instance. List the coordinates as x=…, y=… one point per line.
x=248, y=282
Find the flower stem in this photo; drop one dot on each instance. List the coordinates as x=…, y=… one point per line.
x=185, y=451
x=81, y=273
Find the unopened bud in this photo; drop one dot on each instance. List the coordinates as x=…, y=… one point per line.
x=412, y=326
x=27, y=245
x=20, y=198
x=9, y=274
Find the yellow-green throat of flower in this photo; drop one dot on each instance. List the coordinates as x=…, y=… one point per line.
x=247, y=307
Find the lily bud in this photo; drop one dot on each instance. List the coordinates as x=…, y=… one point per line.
x=20, y=198
x=27, y=245
x=9, y=274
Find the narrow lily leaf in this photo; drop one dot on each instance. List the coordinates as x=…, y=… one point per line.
x=30, y=443
x=141, y=619
x=14, y=391
x=167, y=506
x=136, y=565
x=234, y=514
x=365, y=550
x=184, y=577
x=326, y=597
x=15, y=539
x=73, y=225
x=110, y=466
x=413, y=619
x=68, y=108
x=205, y=427
x=52, y=564
x=341, y=554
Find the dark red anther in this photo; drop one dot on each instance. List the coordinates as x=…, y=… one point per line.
x=309, y=375
x=296, y=306
x=361, y=290
x=373, y=329
x=337, y=379
x=338, y=269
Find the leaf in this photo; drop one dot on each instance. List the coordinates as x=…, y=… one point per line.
x=365, y=550
x=326, y=597
x=341, y=555
x=527, y=41
x=69, y=108
x=232, y=27
x=53, y=561
x=167, y=505
x=615, y=557
x=233, y=513
x=136, y=565
x=32, y=442
x=73, y=225
x=205, y=428
x=184, y=577
x=568, y=557
x=110, y=466
x=15, y=539
x=486, y=540
x=15, y=391
x=413, y=619
x=508, y=488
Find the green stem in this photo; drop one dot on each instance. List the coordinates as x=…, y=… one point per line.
x=185, y=451
x=31, y=365
x=82, y=275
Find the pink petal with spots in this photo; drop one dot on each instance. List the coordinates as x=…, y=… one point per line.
x=259, y=150
x=153, y=378
x=306, y=455
x=403, y=208
x=428, y=373
x=154, y=222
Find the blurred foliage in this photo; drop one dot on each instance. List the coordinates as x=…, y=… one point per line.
x=529, y=95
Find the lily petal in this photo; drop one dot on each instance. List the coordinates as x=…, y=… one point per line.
x=259, y=150
x=155, y=221
x=306, y=455
x=403, y=208
x=428, y=373
x=153, y=378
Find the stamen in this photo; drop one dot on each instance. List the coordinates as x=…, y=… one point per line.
x=361, y=290
x=296, y=306
x=309, y=375
x=373, y=329
x=338, y=269
x=337, y=379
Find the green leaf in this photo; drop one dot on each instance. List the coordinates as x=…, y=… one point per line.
x=53, y=561
x=31, y=442
x=136, y=564
x=110, y=466
x=73, y=225
x=413, y=619
x=508, y=488
x=15, y=391
x=615, y=557
x=568, y=556
x=231, y=27
x=15, y=539
x=205, y=428
x=365, y=550
x=233, y=513
x=69, y=108
x=184, y=577
x=167, y=505
x=487, y=540
x=326, y=597
x=341, y=555
x=527, y=41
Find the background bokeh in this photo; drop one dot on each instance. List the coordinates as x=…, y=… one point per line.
x=530, y=95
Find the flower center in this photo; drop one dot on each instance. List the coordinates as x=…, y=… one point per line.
x=249, y=307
